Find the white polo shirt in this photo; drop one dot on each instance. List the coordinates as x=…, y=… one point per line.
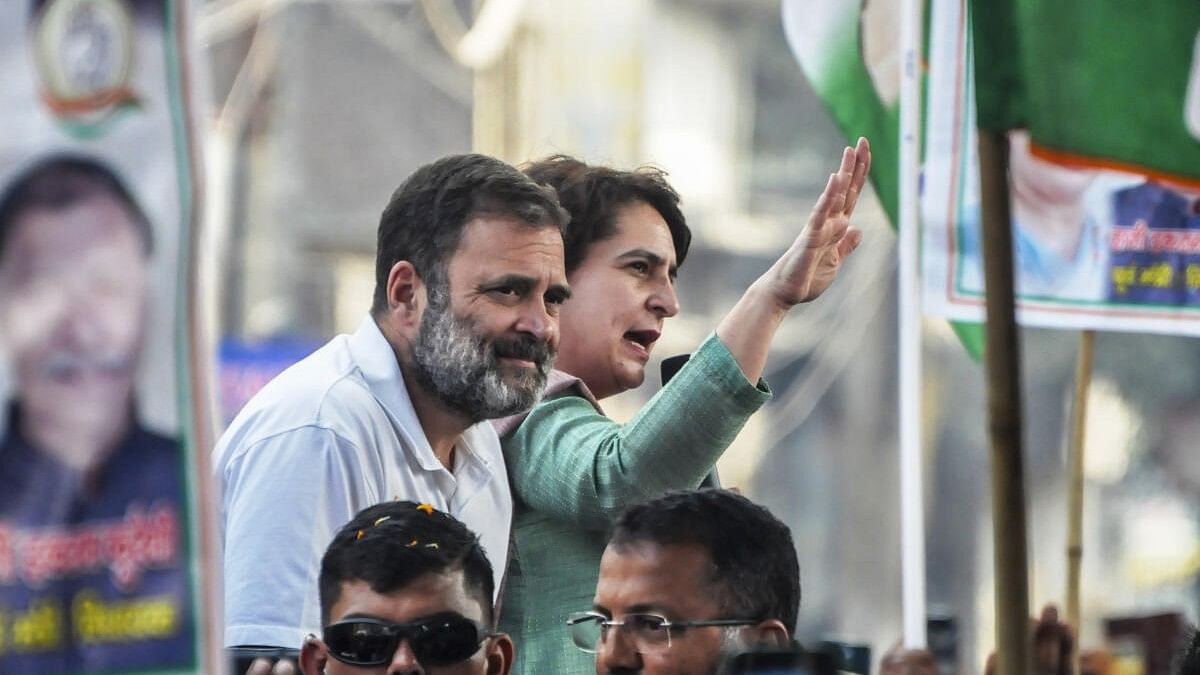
x=330, y=436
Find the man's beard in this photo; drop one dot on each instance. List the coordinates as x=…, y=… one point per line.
x=457, y=362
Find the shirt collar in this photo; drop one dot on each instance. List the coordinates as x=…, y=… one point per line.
x=377, y=362
x=380, y=369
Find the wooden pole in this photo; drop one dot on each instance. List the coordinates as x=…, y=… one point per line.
x=1083, y=379
x=1002, y=358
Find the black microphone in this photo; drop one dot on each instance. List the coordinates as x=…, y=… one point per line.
x=670, y=366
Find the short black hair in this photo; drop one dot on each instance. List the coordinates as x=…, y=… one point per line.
x=424, y=220
x=392, y=544
x=594, y=195
x=755, y=573
x=60, y=181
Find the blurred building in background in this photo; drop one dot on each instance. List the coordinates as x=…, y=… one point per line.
x=323, y=106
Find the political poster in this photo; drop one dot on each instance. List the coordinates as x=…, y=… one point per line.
x=98, y=526
x=1102, y=108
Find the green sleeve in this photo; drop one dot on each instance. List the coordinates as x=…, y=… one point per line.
x=570, y=462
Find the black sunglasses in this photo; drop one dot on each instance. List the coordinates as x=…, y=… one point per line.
x=436, y=640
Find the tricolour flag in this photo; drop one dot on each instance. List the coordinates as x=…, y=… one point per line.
x=850, y=52
x=1100, y=83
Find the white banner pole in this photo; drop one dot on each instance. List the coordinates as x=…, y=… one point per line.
x=912, y=512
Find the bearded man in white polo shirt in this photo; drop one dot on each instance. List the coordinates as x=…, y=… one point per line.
x=463, y=328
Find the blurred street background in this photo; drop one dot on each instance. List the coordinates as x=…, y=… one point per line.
x=320, y=108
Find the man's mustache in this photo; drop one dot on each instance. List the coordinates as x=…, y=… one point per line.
x=528, y=348
x=61, y=363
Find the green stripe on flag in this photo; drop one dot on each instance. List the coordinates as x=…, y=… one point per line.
x=824, y=35
x=1099, y=81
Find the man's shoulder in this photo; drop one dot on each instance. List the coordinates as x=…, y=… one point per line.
x=324, y=390
x=309, y=384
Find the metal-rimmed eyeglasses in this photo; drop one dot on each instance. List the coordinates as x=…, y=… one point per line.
x=648, y=633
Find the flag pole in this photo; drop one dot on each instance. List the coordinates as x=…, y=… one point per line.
x=912, y=512
x=1002, y=358
x=1083, y=379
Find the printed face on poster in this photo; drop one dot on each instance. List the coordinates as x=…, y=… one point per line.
x=94, y=203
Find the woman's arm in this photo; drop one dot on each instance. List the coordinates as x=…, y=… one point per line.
x=569, y=461
x=804, y=271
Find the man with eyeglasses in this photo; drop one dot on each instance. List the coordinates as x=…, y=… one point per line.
x=687, y=580
x=405, y=588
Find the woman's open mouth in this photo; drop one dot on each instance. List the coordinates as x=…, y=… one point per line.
x=641, y=341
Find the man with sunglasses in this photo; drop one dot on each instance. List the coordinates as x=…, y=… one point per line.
x=405, y=588
x=687, y=580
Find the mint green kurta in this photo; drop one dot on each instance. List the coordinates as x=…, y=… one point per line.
x=573, y=471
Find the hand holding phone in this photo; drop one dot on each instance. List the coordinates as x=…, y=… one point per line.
x=263, y=660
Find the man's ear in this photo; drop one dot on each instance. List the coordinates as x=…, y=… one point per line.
x=405, y=293
x=770, y=633
x=500, y=653
x=313, y=656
